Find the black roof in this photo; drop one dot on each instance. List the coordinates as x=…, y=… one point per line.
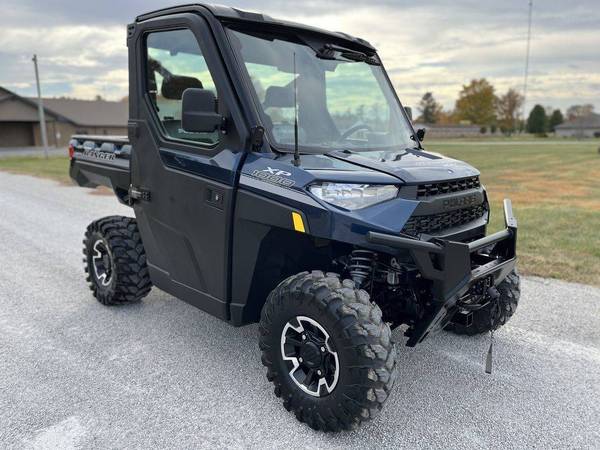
x=226, y=13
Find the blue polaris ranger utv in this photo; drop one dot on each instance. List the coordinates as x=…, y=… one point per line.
x=276, y=178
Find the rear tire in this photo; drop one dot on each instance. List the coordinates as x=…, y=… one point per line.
x=115, y=261
x=353, y=362
x=497, y=313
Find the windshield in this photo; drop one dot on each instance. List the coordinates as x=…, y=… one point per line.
x=343, y=97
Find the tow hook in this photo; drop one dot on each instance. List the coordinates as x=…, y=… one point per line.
x=463, y=318
x=493, y=293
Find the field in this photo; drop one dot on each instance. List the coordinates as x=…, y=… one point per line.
x=555, y=189
x=55, y=167
x=554, y=186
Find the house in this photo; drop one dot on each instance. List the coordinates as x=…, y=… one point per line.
x=586, y=126
x=19, y=120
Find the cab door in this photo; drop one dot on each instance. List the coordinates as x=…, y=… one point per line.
x=185, y=182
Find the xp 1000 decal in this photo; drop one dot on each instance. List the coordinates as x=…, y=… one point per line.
x=275, y=176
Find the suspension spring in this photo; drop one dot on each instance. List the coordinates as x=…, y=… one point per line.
x=362, y=264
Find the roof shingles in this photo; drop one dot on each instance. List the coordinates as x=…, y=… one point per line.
x=97, y=113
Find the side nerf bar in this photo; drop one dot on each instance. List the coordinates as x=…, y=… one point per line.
x=453, y=267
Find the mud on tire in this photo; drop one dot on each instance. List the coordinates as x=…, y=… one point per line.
x=496, y=314
x=115, y=261
x=367, y=365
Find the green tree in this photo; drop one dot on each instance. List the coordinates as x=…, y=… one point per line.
x=477, y=103
x=555, y=119
x=537, y=121
x=508, y=110
x=430, y=109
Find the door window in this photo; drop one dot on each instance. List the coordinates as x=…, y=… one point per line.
x=174, y=64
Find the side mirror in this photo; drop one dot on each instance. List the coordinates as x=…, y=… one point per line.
x=421, y=134
x=199, y=111
x=408, y=110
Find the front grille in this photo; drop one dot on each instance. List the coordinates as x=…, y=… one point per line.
x=440, y=222
x=447, y=187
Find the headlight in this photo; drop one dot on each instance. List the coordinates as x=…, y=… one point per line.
x=353, y=196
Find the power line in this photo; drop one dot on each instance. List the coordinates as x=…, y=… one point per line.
x=527, y=58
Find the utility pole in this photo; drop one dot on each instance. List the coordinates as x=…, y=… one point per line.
x=41, y=108
x=527, y=59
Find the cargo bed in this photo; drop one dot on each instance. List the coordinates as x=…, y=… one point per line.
x=101, y=161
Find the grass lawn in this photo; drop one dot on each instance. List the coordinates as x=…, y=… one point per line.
x=554, y=186
x=555, y=189
x=55, y=167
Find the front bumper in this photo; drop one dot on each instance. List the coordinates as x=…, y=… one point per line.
x=453, y=267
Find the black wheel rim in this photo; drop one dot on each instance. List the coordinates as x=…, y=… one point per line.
x=308, y=351
x=102, y=263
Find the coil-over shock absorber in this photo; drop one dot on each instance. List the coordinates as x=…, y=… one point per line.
x=361, y=266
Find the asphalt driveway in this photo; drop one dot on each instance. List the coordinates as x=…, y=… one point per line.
x=161, y=373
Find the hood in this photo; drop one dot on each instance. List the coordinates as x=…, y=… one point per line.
x=410, y=166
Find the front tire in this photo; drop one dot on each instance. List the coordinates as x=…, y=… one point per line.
x=115, y=261
x=327, y=351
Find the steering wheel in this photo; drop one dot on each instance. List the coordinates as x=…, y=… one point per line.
x=353, y=129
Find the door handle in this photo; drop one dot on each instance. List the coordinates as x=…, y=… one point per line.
x=215, y=197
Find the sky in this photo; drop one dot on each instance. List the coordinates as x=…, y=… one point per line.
x=435, y=46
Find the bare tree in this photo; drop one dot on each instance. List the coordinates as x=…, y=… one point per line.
x=576, y=111
x=509, y=106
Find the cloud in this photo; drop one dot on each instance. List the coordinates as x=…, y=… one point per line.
x=111, y=85
x=441, y=48
x=435, y=46
x=74, y=60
